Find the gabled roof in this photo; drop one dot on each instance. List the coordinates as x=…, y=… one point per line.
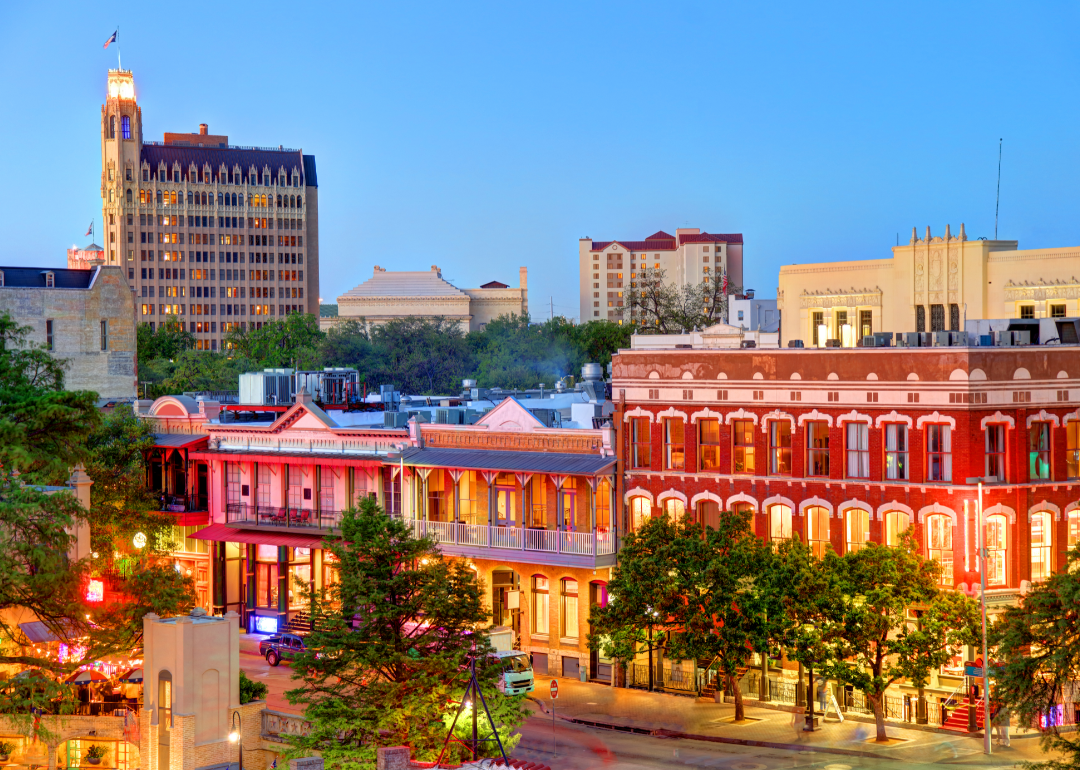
x=34, y=277
x=494, y=285
x=510, y=414
x=418, y=283
x=710, y=238
x=303, y=411
x=660, y=235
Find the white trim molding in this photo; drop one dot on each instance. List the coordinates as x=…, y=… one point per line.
x=997, y=418
x=936, y=508
x=742, y=497
x=667, y=494
x=638, y=412
x=710, y=496
x=1046, y=506
x=705, y=414
x=1000, y=509
x=1070, y=417
x=893, y=416
x=638, y=492
x=740, y=414
x=777, y=500
x=672, y=412
x=1071, y=507
x=815, y=416
x=854, y=416
x=935, y=419
x=849, y=504
x=775, y=416
x=1043, y=416
x=895, y=506
x=804, y=504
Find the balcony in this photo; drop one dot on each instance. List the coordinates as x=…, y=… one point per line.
x=273, y=517
x=182, y=503
x=541, y=546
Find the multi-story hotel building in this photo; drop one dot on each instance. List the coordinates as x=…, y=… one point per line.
x=933, y=283
x=841, y=448
x=212, y=235
x=606, y=268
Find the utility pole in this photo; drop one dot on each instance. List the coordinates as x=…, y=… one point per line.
x=551, y=302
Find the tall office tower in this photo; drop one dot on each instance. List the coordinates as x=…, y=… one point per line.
x=211, y=235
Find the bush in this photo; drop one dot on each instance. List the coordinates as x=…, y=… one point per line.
x=250, y=690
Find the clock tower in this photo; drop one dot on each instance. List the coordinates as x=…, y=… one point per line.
x=121, y=148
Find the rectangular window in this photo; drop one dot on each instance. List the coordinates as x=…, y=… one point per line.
x=709, y=446
x=1057, y=311
x=742, y=446
x=780, y=448
x=817, y=320
x=858, y=450
x=673, y=445
x=940, y=545
x=817, y=445
x=104, y=334
x=540, y=612
x=570, y=608
x=995, y=451
x=938, y=453
x=866, y=326
x=1039, y=450
x=937, y=318
x=48, y=335
x=896, y=451
x=640, y=442
x=1072, y=450
x=1027, y=311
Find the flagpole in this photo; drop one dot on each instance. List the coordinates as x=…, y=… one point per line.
x=118, y=64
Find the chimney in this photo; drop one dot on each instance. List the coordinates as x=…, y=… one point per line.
x=523, y=277
x=203, y=129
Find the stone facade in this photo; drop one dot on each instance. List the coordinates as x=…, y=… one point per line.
x=933, y=283
x=68, y=316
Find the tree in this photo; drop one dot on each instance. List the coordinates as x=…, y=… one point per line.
x=420, y=355
x=870, y=642
x=598, y=341
x=513, y=352
x=1039, y=649
x=655, y=306
x=292, y=341
x=348, y=343
x=389, y=656
x=194, y=370
x=167, y=340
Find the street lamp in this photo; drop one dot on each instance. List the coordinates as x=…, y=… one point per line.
x=235, y=736
x=982, y=601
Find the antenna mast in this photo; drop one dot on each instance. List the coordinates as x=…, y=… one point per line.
x=997, y=205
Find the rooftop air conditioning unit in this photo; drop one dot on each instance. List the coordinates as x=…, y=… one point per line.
x=884, y=339
x=1002, y=338
x=869, y=341
x=1021, y=337
x=748, y=344
x=942, y=339
x=795, y=343
x=832, y=343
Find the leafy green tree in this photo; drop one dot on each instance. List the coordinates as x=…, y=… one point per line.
x=598, y=341
x=512, y=352
x=389, y=656
x=250, y=689
x=1038, y=645
x=194, y=370
x=420, y=355
x=292, y=341
x=348, y=343
x=654, y=305
x=870, y=640
x=166, y=340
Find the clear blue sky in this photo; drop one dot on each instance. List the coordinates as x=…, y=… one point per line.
x=485, y=136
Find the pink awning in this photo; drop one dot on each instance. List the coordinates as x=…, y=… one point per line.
x=223, y=533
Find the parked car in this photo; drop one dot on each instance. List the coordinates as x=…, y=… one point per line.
x=282, y=646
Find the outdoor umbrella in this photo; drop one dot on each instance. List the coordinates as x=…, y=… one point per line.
x=135, y=676
x=86, y=677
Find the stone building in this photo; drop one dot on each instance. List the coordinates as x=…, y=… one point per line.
x=82, y=316
x=209, y=234
x=606, y=268
x=934, y=283
x=388, y=295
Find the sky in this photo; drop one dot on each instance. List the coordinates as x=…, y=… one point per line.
x=481, y=137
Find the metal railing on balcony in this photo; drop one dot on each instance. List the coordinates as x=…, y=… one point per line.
x=183, y=503
x=274, y=516
x=515, y=538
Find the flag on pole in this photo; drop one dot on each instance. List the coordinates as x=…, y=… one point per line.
x=112, y=38
x=723, y=286
x=90, y=230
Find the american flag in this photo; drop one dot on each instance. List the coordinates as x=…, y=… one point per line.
x=723, y=286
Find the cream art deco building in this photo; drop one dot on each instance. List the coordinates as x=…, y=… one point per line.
x=425, y=293
x=934, y=283
x=209, y=234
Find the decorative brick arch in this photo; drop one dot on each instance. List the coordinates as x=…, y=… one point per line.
x=854, y=416
x=815, y=415
x=705, y=414
x=740, y=414
x=1071, y=416
x=778, y=500
x=638, y=492
x=775, y=416
x=709, y=496
x=810, y=501
x=997, y=418
x=893, y=416
x=1043, y=416
x=930, y=510
x=672, y=412
x=1071, y=507
x=935, y=418
x=1044, y=506
x=999, y=508
x=849, y=504
x=667, y=494
x=742, y=497
x=895, y=506
x=638, y=412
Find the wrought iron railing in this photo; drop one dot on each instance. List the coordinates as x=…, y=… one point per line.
x=516, y=538
x=276, y=516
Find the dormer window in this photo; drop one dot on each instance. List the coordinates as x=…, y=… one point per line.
x=50, y=279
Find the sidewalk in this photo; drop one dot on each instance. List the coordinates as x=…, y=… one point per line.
x=681, y=716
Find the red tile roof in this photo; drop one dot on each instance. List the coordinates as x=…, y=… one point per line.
x=494, y=285
x=661, y=241
x=711, y=238
x=660, y=235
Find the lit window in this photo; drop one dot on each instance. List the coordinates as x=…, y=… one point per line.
x=939, y=545
x=540, y=605
x=996, y=550
x=1041, y=541
x=780, y=448
x=858, y=528
x=1039, y=450
x=817, y=444
x=570, y=608
x=640, y=512
x=709, y=445
x=674, y=454
x=995, y=451
x=674, y=508
x=779, y=522
x=742, y=440
x=938, y=453
x=896, y=523
x=817, y=529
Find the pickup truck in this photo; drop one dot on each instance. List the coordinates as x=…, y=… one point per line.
x=281, y=647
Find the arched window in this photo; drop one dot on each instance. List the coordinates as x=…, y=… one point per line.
x=939, y=545
x=997, y=549
x=190, y=197
x=817, y=529
x=128, y=195
x=279, y=201
x=674, y=508
x=640, y=512
x=896, y=523
x=292, y=201
x=220, y=199
x=125, y=127
x=112, y=127
x=159, y=197
x=569, y=608
x=858, y=528
x=299, y=201
x=1073, y=523
x=240, y=198
x=234, y=199
x=779, y=522
x=1041, y=542
x=708, y=513
x=540, y=606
